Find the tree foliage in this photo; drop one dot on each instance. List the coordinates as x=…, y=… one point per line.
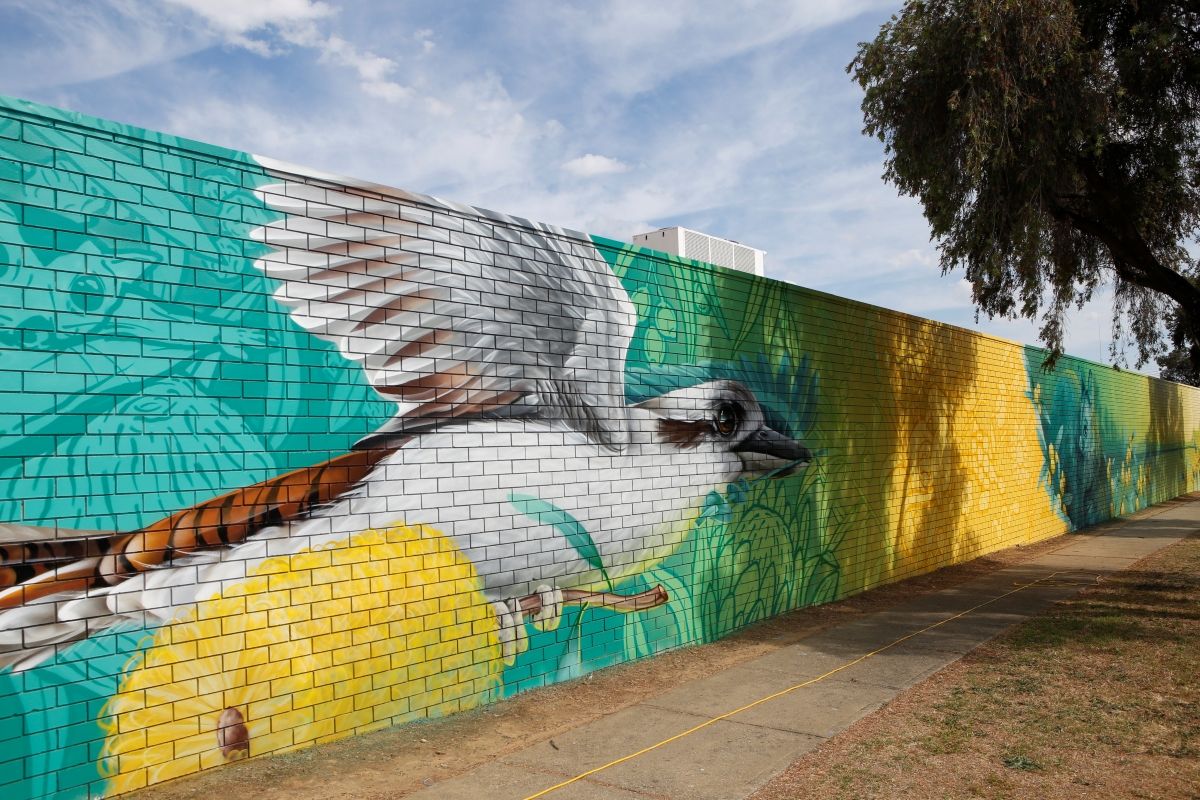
x=1054, y=146
x=1176, y=364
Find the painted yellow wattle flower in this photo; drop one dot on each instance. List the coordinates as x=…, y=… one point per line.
x=386, y=627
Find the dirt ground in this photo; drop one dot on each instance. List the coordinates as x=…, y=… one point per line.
x=399, y=761
x=1096, y=698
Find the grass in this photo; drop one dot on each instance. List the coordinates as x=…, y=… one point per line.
x=1098, y=698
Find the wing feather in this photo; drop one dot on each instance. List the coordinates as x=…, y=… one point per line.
x=439, y=317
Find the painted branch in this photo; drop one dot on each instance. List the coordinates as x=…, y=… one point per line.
x=651, y=598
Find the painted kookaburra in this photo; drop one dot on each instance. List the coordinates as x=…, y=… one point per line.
x=507, y=369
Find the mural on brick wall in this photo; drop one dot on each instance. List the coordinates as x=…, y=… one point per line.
x=1104, y=457
x=288, y=457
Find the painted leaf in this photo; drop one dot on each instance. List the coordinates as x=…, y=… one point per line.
x=572, y=530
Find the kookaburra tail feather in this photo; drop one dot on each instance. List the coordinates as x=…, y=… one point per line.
x=79, y=564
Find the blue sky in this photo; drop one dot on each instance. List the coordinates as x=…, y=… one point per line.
x=612, y=117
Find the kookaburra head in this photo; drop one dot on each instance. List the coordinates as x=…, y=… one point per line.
x=725, y=418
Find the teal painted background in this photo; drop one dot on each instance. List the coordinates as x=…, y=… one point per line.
x=139, y=377
x=145, y=376
x=1113, y=442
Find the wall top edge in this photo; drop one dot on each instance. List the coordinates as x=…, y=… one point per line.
x=81, y=120
x=282, y=169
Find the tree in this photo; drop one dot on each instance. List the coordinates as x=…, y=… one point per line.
x=1054, y=146
x=1176, y=364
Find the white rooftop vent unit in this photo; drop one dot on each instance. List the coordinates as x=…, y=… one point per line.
x=702, y=247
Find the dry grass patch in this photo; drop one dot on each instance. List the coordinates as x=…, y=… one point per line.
x=1096, y=698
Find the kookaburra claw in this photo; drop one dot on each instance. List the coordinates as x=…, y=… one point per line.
x=510, y=630
x=549, y=615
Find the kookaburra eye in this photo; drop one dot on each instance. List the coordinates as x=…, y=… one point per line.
x=726, y=420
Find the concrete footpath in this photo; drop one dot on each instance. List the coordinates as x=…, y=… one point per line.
x=728, y=734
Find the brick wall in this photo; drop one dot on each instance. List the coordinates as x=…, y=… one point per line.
x=287, y=457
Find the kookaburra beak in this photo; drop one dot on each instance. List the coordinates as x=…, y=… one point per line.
x=767, y=450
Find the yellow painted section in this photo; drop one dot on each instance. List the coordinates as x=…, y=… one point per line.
x=965, y=481
x=934, y=451
x=387, y=627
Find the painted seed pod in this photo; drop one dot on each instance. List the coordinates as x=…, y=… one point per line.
x=232, y=736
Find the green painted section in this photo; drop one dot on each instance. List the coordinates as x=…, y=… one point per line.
x=146, y=366
x=1114, y=442
x=123, y=140
x=756, y=549
x=50, y=717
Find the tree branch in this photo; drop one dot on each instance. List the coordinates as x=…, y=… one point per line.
x=1132, y=257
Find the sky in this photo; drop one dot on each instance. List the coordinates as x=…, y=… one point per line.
x=614, y=117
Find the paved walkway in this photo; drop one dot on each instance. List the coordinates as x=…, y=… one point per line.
x=726, y=735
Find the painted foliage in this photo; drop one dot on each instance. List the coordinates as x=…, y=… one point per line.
x=287, y=457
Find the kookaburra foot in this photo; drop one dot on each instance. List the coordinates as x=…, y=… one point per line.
x=543, y=608
x=549, y=615
x=511, y=629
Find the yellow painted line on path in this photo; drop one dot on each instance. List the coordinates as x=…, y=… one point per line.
x=810, y=682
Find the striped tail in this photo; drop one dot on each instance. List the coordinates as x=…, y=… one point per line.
x=31, y=570
x=27, y=551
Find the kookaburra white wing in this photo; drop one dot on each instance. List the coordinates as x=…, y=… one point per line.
x=447, y=321
x=503, y=344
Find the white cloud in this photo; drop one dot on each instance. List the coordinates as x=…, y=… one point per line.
x=634, y=45
x=61, y=42
x=246, y=16
x=387, y=90
x=294, y=22
x=372, y=70
x=590, y=165
x=425, y=37
x=233, y=21
x=477, y=147
x=94, y=41
x=914, y=257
